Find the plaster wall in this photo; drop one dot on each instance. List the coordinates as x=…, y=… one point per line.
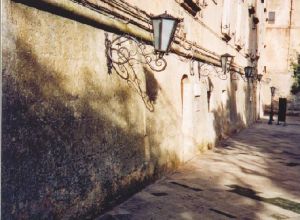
x=77, y=139
x=205, y=30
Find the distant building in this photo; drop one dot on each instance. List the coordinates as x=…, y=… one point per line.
x=282, y=45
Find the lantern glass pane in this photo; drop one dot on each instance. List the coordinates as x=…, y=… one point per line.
x=248, y=71
x=156, y=25
x=224, y=63
x=273, y=90
x=167, y=31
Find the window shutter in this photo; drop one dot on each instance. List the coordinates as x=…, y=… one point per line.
x=226, y=17
x=238, y=23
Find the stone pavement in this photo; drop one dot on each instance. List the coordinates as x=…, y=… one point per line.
x=253, y=175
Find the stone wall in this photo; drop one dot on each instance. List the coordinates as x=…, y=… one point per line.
x=77, y=140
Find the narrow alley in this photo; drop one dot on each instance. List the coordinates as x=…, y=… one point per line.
x=244, y=178
x=150, y=109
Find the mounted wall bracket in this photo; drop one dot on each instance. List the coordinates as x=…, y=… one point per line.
x=126, y=50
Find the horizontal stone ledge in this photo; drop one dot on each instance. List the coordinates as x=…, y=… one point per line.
x=80, y=13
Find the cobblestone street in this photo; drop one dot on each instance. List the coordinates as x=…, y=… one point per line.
x=252, y=175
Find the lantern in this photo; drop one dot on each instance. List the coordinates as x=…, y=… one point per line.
x=225, y=59
x=164, y=27
x=248, y=72
x=272, y=90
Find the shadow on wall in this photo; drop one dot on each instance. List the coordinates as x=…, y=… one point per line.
x=227, y=120
x=152, y=86
x=61, y=157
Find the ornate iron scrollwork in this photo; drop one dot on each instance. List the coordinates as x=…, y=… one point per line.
x=127, y=50
x=206, y=70
x=123, y=52
x=237, y=75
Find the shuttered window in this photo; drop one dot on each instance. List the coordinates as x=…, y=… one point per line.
x=239, y=23
x=226, y=17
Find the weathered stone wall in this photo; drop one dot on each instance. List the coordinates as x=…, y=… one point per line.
x=76, y=139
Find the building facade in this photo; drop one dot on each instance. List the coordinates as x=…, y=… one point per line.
x=81, y=133
x=283, y=45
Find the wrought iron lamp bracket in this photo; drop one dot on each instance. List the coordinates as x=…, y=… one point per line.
x=126, y=50
x=237, y=76
x=205, y=70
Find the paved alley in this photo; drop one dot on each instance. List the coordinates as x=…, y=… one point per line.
x=253, y=175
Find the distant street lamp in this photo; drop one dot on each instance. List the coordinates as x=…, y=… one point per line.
x=225, y=60
x=271, y=111
x=248, y=71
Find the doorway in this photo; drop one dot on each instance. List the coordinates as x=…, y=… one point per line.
x=187, y=116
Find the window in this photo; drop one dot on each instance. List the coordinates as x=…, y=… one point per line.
x=226, y=20
x=192, y=6
x=271, y=18
x=238, y=37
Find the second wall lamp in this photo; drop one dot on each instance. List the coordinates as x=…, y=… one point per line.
x=225, y=60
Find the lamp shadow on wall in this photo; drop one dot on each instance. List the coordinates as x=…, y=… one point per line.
x=148, y=93
x=227, y=120
x=62, y=157
x=152, y=86
x=209, y=91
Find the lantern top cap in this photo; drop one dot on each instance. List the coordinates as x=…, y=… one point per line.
x=248, y=68
x=166, y=16
x=273, y=88
x=226, y=55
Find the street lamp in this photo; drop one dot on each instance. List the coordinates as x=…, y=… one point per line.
x=124, y=49
x=164, y=27
x=248, y=71
x=271, y=111
x=272, y=90
x=225, y=59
